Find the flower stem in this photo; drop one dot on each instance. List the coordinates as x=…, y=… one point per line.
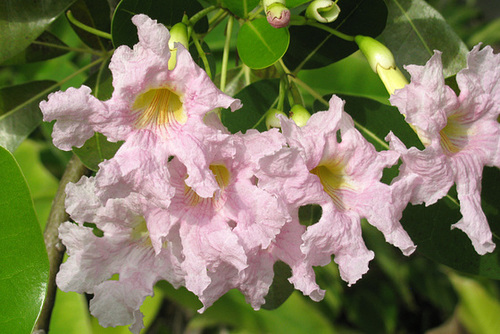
x=225, y=55
x=55, y=249
x=196, y=17
x=67, y=48
x=91, y=30
x=202, y=55
x=332, y=31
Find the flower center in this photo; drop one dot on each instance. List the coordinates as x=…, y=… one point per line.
x=223, y=177
x=334, y=180
x=140, y=232
x=159, y=107
x=453, y=135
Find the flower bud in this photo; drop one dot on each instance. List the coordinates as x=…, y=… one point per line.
x=271, y=120
x=323, y=11
x=277, y=14
x=178, y=34
x=382, y=62
x=299, y=115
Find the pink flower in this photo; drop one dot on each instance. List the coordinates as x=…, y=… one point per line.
x=460, y=134
x=150, y=102
x=219, y=232
x=342, y=174
x=127, y=248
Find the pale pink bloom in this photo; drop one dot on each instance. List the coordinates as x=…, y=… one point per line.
x=218, y=233
x=460, y=134
x=331, y=164
x=150, y=102
x=126, y=248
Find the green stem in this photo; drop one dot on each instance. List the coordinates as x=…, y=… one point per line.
x=332, y=31
x=225, y=55
x=256, y=13
x=55, y=249
x=54, y=86
x=202, y=13
x=67, y=48
x=216, y=16
x=202, y=54
x=91, y=30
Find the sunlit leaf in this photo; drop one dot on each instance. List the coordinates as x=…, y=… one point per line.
x=168, y=12
x=21, y=22
x=478, y=309
x=24, y=262
x=257, y=99
x=70, y=314
x=415, y=29
x=19, y=111
x=240, y=8
x=260, y=45
x=46, y=46
x=311, y=47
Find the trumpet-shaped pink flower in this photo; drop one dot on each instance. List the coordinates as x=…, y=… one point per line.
x=150, y=102
x=461, y=135
x=343, y=176
x=126, y=248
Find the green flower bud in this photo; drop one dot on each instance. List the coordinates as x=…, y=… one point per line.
x=271, y=120
x=299, y=115
x=323, y=11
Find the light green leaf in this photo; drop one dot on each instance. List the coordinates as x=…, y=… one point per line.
x=24, y=264
x=70, y=314
x=260, y=45
x=19, y=111
x=21, y=22
x=478, y=309
x=414, y=25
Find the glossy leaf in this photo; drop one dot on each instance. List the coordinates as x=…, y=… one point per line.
x=260, y=45
x=43, y=48
x=21, y=22
x=94, y=14
x=240, y=8
x=313, y=48
x=19, y=111
x=414, y=25
x=24, y=262
x=257, y=99
x=96, y=150
x=167, y=12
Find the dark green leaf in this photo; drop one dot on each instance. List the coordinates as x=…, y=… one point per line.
x=24, y=262
x=23, y=21
x=260, y=45
x=320, y=48
x=257, y=99
x=414, y=25
x=94, y=14
x=167, y=12
x=43, y=48
x=281, y=288
x=240, y=8
x=19, y=111
x=96, y=150
x=208, y=53
x=295, y=3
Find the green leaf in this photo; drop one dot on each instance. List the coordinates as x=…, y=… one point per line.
x=96, y=150
x=489, y=34
x=478, y=309
x=24, y=262
x=257, y=98
x=352, y=75
x=414, y=25
x=21, y=22
x=295, y=3
x=260, y=45
x=168, y=12
x=281, y=288
x=240, y=8
x=70, y=314
x=43, y=48
x=42, y=183
x=313, y=48
x=94, y=14
x=19, y=111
